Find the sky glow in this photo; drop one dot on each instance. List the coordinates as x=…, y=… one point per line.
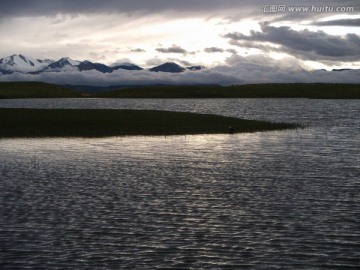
x=211, y=33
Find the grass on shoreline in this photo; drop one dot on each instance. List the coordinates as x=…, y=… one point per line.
x=292, y=90
x=17, y=123
x=34, y=90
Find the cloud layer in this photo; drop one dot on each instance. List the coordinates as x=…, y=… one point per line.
x=234, y=9
x=238, y=40
x=305, y=44
x=256, y=69
x=173, y=49
x=339, y=22
x=214, y=50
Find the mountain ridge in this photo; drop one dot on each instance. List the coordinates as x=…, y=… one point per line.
x=28, y=65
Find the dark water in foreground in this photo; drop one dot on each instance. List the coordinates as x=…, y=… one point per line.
x=272, y=200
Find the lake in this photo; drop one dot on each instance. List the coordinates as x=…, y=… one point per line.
x=268, y=200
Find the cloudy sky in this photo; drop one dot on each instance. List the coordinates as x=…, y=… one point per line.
x=229, y=37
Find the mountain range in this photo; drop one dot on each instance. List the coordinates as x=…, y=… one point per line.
x=28, y=65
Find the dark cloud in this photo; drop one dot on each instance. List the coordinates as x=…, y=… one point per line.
x=173, y=49
x=138, y=50
x=316, y=10
x=304, y=44
x=233, y=51
x=46, y=7
x=228, y=8
x=213, y=50
x=342, y=22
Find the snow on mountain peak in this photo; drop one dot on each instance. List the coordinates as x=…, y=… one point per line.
x=24, y=64
x=21, y=63
x=68, y=60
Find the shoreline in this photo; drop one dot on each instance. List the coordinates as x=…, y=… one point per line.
x=97, y=123
x=16, y=90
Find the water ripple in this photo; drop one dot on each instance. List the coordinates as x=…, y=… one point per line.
x=274, y=200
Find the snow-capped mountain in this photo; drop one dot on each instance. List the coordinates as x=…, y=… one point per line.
x=46, y=61
x=28, y=65
x=168, y=67
x=21, y=63
x=127, y=66
x=64, y=62
x=87, y=65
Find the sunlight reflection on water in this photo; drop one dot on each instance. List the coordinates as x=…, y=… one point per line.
x=271, y=200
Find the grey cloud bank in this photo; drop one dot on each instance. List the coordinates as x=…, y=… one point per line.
x=173, y=49
x=127, y=78
x=342, y=22
x=46, y=7
x=242, y=73
x=305, y=44
x=213, y=50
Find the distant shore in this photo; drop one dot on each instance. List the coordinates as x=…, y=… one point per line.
x=13, y=90
x=22, y=123
x=312, y=91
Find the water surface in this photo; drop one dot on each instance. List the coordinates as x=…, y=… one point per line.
x=267, y=200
